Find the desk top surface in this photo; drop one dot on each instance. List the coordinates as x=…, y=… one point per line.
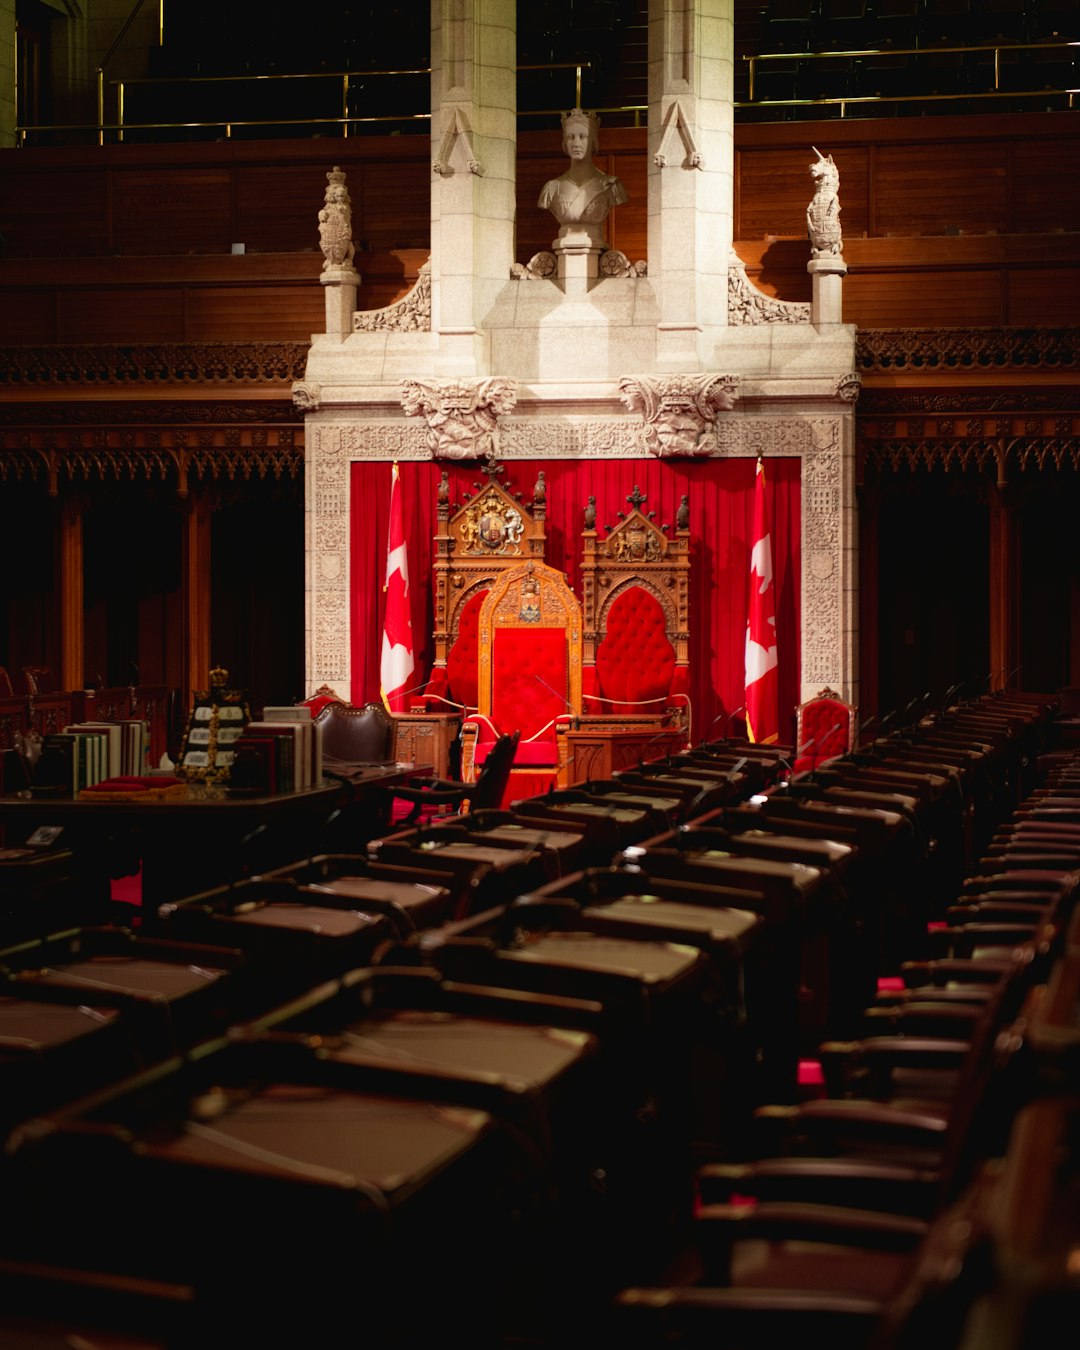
x=212, y=796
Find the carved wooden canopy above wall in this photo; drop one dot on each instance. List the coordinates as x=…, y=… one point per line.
x=926, y=402
x=53, y=430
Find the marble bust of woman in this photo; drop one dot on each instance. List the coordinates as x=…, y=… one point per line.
x=581, y=198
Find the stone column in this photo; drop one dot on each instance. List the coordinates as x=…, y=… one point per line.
x=691, y=180
x=474, y=149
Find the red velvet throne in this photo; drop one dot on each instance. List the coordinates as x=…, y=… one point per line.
x=529, y=672
x=635, y=610
x=824, y=728
x=475, y=544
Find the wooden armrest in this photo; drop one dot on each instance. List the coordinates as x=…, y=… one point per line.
x=857, y=1183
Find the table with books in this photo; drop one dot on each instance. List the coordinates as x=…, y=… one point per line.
x=186, y=836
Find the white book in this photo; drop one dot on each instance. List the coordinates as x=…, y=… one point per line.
x=113, y=733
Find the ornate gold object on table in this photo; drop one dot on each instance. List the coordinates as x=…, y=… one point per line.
x=218, y=717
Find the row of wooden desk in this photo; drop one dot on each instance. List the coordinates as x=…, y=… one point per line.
x=476, y=1059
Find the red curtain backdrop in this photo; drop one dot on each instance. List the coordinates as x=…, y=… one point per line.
x=721, y=496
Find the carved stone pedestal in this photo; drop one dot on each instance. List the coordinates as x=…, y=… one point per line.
x=341, y=284
x=827, y=276
x=577, y=256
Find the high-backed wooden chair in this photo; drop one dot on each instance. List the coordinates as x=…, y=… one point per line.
x=39, y=680
x=320, y=699
x=492, y=532
x=636, y=612
x=529, y=633
x=824, y=728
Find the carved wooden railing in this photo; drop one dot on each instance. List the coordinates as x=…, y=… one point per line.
x=64, y=436
x=1027, y=420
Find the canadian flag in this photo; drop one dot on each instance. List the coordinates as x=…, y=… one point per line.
x=762, y=703
x=396, y=662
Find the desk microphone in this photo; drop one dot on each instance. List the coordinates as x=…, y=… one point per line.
x=575, y=717
x=720, y=716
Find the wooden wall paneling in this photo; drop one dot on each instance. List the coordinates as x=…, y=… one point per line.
x=386, y=277
x=174, y=209
x=277, y=206
x=26, y=317
x=1045, y=188
x=242, y=313
x=535, y=228
x=941, y=299
x=43, y=215
x=100, y=315
x=395, y=209
x=775, y=189
x=1043, y=296
x=943, y=188
x=627, y=225
x=778, y=266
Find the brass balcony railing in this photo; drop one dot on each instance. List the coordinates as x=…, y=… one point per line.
x=347, y=120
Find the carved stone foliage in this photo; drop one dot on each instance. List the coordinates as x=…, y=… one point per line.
x=461, y=415
x=410, y=314
x=243, y=363
x=748, y=305
x=335, y=222
x=540, y=267
x=307, y=395
x=917, y=351
x=825, y=587
x=613, y=263
x=679, y=410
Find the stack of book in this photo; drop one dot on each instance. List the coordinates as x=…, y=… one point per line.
x=280, y=753
x=123, y=747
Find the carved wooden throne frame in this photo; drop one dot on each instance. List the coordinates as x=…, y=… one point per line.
x=493, y=531
x=636, y=556
x=530, y=638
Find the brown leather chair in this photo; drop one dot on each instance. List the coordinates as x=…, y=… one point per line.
x=353, y=735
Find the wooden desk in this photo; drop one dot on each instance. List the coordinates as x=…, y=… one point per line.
x=600, y=746
x=189, y=844
x=428, y=738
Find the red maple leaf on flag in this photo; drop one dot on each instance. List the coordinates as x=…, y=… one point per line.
x=761, y=659
x=397, y=661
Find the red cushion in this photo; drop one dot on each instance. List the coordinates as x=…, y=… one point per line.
x=463, y=658
x=824, y=728
x=528, y=680
x=635, y=661
x=530, y=754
